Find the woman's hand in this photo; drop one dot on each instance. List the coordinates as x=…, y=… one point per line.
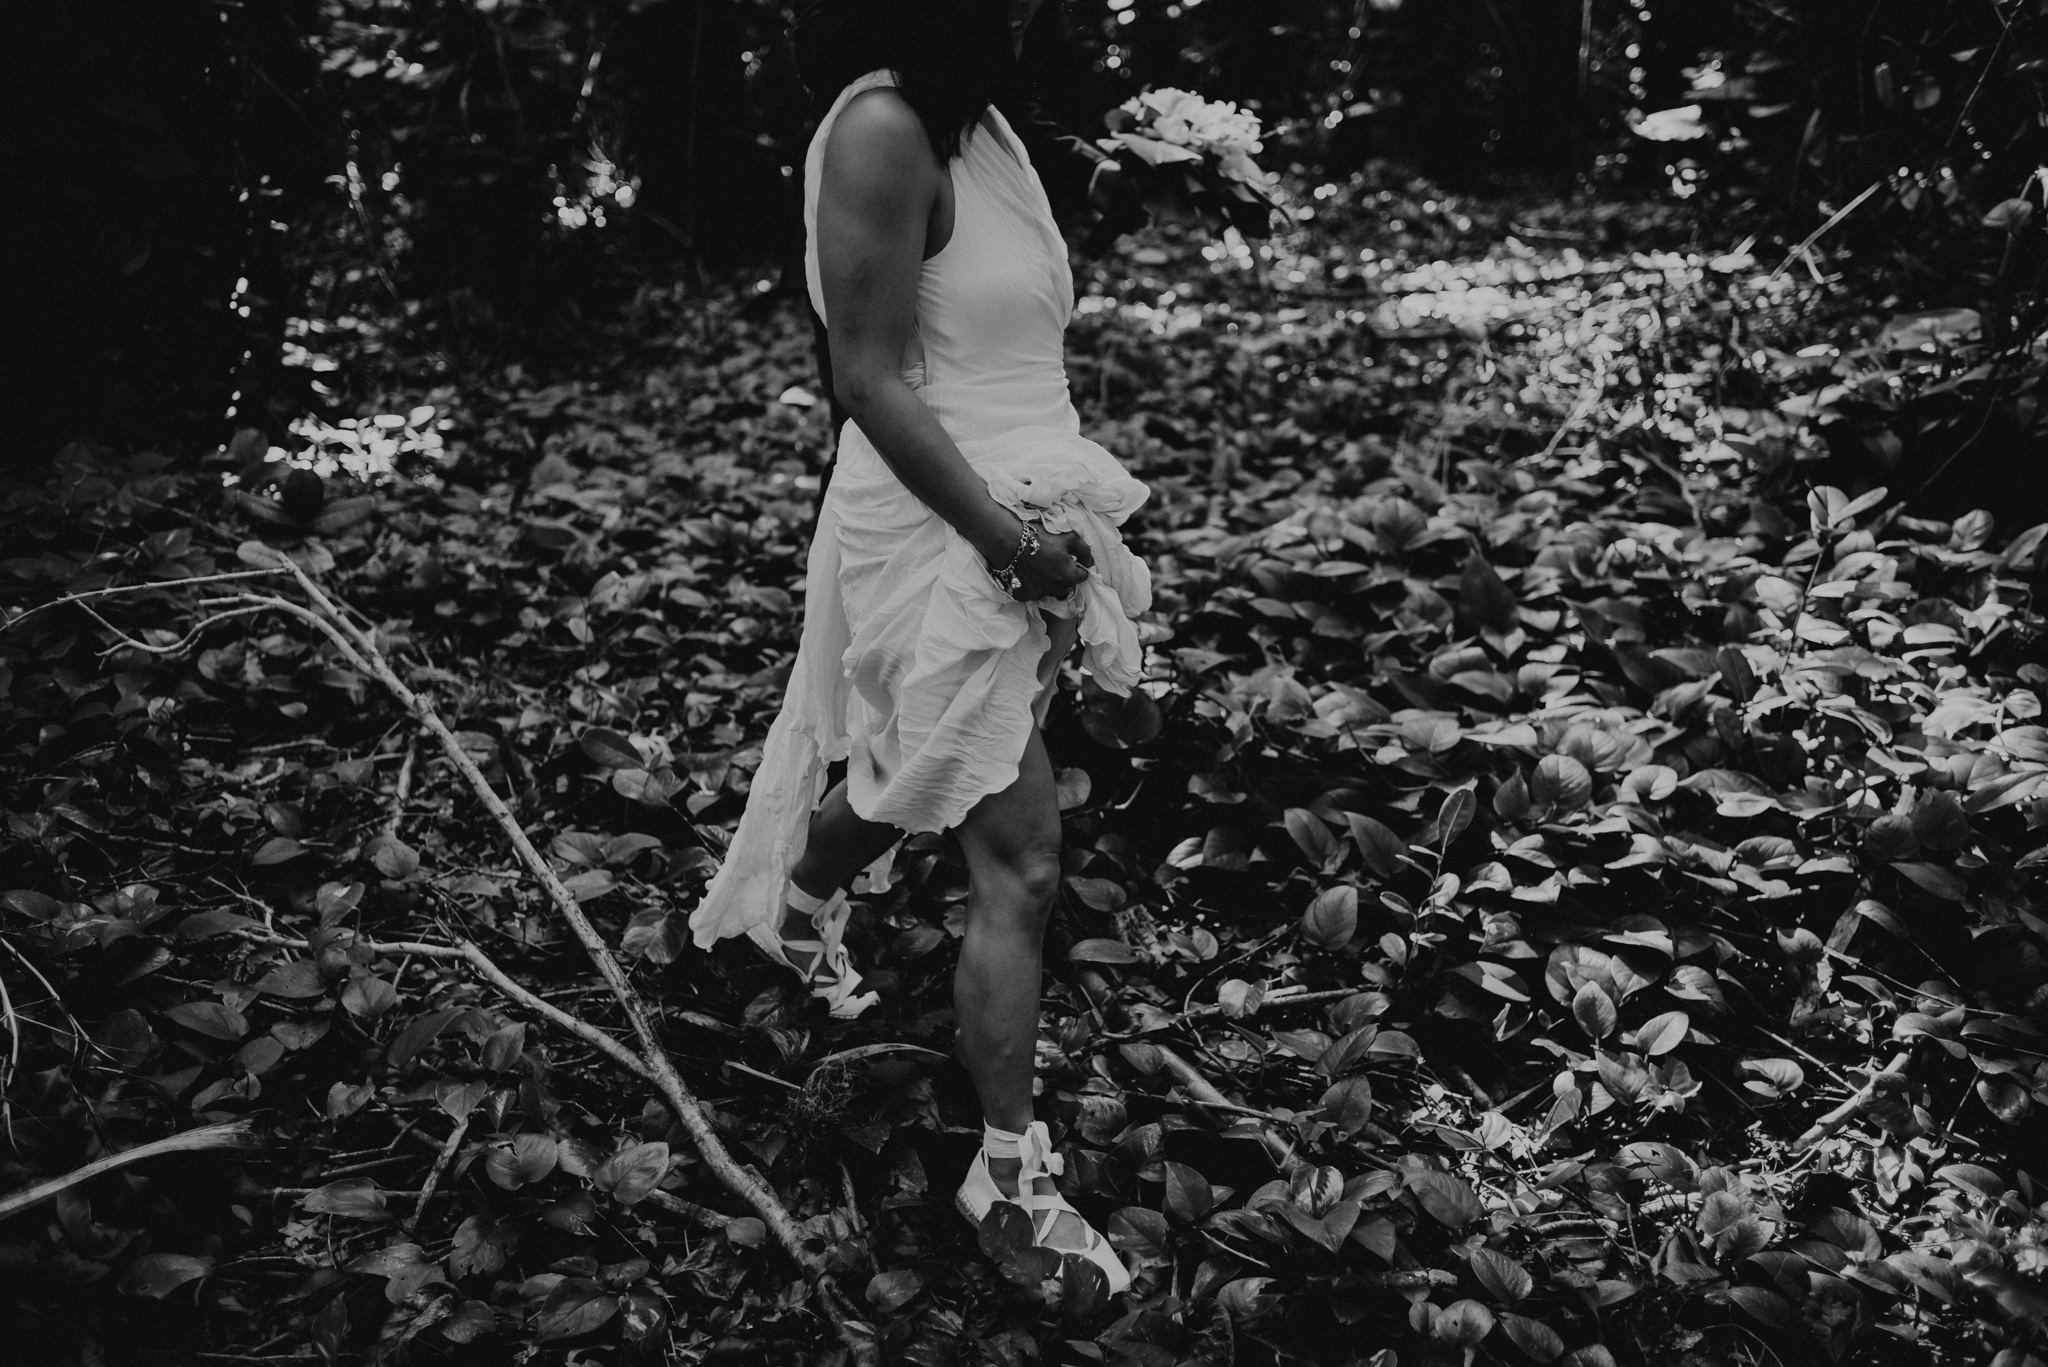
x=1059, y=566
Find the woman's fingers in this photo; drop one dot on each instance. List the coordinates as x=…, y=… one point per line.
x=1057, y=579
x=1076, y=546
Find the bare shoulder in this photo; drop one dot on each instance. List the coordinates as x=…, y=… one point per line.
x=879, y=133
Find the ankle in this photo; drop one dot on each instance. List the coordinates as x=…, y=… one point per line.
x=800, y=909
x=796, y=893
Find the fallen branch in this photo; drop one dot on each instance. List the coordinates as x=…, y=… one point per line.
x=403, y=792
x=1273, y=1001
x=233, y=1134
x=1420, y=1278
x=497, y=977
x=651, y=1060
x=1854, y=1106
x=162, y=585
x=1194, y=1085
x=701, y=1216
x=447, y=1156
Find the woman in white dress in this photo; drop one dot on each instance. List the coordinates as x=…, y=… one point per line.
x=967, y=543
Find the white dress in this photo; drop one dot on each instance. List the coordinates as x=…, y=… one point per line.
x=913, y=665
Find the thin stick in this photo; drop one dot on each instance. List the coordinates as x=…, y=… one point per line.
x=233, y=1134
x=702, y=1216
x=739, y=1067
x=1272, y=1002
x=448, y=1149
x=870, y=1050
x=1848, y=1110
x=1804, y=249
x=27, y=613
x=1193, y=1084
x=404, y=789
x=482, y=964
x=1588, y=397
x=652, y=1062
x=13, y=1058
x=126, y=642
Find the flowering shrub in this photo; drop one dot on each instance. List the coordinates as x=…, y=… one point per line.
x=1197, y=151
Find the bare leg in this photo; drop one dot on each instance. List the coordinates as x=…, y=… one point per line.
x=841, y=843
x=1011, y=840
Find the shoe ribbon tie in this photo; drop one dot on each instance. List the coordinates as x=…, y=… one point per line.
x=1036, y=1155
x=830, y=920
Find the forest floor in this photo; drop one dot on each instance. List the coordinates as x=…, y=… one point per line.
x=1567, y=889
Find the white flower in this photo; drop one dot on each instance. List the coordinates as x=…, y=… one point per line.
x=1237, y=164
x=1168, y=102
x=1215, y=130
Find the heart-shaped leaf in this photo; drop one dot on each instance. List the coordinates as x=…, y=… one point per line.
x=157, y=1275
x=1560, y=783
x=1662, y=1033
x=1332, y=918
x=632, y=1172
x=1188, y=1194
x=1463, y=1323
x=1535, y=1338
x=888, y=1291
x=1507, y=1279
x=1103, y=952
x=1348, y=1105
x=1447, y=1199
x=576, y=1306
x=352, y=1198
x=1595, y=1011
x=609, y=749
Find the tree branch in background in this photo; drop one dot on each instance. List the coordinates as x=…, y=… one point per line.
x=650, y=1061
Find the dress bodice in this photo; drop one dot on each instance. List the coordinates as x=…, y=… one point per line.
x=986, y=354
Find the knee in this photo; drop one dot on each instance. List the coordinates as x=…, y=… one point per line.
x=1033, y=879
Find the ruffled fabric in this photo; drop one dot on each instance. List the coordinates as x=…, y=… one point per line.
x=914, y=666
x=945, y=666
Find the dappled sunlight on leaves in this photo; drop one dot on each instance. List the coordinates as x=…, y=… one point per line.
x=1567, y=887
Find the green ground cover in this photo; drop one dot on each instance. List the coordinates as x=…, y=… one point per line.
x=1568, y=890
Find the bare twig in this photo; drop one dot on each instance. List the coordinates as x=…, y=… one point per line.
x=404, y=789
x=870, y=1050
x=448, y=1151
x=1416, y=1280
x=1854, y=1106
x=1193, y=1083
x=1588, y=398
x=123, y=641
x=13, y=1058
x=1801, y=251
x=485, y=968
x=651, y=1061
x=233, y=1134
x=162, y=585
x=1273, y=1001
x=702, y=1216
x=739, y=1067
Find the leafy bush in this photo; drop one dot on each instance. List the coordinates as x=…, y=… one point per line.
x=1566, y=892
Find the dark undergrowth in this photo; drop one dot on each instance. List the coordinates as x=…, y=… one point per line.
x=1568, y=890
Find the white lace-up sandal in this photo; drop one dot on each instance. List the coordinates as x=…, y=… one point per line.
x=825, y=966
x=979, y=1193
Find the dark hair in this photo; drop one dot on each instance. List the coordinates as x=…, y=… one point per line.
x=952, y=58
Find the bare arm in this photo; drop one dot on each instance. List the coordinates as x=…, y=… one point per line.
x=881, y=181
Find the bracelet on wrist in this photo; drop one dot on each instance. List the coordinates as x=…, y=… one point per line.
x=1007, y=578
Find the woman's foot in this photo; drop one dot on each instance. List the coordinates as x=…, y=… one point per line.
x=808, y=943
x=1068, y=1231
x=1004, y=1176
